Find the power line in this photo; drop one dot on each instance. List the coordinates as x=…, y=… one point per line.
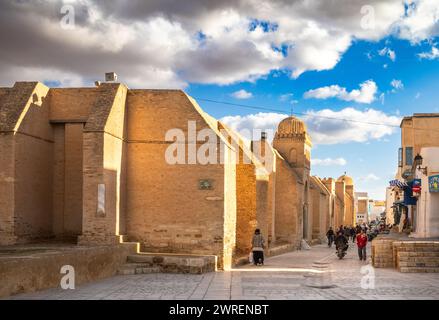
x=294, y=113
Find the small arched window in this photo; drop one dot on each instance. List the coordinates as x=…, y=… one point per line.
x=293, y=156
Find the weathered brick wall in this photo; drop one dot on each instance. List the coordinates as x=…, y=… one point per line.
x=71, y=104
x=39, y=271
x=325, y=203
x=382, y=253
x=230, y=214
x=7, y=183
x=59, y=182
x=7, y=176
x=271, y=209
x=25, y=114
x=246, y=207
x=33, y=188
x=306, y=214
x=166, y=209
x=316, y=213
x=286, y=219
x=349, y=206
x=102, y=151
x=263, y=214
x=72, y=212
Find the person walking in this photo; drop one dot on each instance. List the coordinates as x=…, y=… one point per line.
x=330, y=235
x=361, y=244
x=358, y=229
x=353, y=234
x=340, y=229
x=258, y=246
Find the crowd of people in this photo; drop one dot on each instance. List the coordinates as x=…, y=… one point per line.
x=344, y=234
x=341, y=237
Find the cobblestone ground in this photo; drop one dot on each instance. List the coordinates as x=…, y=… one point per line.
x=312, y=274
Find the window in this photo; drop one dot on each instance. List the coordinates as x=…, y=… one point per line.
x=293, y=156
x=409, y=156
x=400, y=157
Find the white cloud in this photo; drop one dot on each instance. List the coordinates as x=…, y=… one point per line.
x=324, y=126
x=418, y=95
x=434, y=54
x=370, y=177
x=354, y=125
x=242, y=94
x=382, y=98
x=387, y=52
x=420, y=21
x=329, y=162
x=156, y=43
x=251, y=125
x=286, y=97
x=366, y=93
x=397, y=85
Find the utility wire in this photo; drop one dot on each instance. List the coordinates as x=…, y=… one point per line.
x=294, y=113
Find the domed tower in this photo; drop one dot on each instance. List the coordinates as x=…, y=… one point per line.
x=293, y=142
x=348, y=182
x=346, y=179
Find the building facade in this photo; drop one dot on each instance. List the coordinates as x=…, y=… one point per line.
x=419, y=135
x=362, y=207
x=90, y=165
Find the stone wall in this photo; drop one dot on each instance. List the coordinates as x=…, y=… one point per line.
x=7, y=183
x=69, y=105
x=27, y=148
x=167, y=211
x=37, y=268
x=382, y=253
x=286, y=219
x=103, y=163
x=73, y=178
x=247, y=219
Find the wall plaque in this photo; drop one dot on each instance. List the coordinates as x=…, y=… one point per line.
x=205, y=184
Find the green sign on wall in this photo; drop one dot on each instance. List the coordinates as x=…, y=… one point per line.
x=433, y=183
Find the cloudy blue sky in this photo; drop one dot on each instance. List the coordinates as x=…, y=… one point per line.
x=369, y=62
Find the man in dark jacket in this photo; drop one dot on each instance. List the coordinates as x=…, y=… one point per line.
x=330, y=235
x=258, y=246
x=353, y=234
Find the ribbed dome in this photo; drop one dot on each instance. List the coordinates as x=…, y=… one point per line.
x=291, y=125
x=347, y=180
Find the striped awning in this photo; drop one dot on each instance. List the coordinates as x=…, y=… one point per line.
x=397, y=183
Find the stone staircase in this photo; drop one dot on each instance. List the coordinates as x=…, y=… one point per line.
x=419, y=256
x=142, y=263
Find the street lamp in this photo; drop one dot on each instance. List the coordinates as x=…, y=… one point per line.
x=418, y=163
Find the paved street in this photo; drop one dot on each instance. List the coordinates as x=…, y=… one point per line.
x=313, y=274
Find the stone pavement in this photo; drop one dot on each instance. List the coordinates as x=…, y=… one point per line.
x=314, y=274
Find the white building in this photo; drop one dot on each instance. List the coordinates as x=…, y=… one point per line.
x=376, y=209
x=390, y=199
x=361, y=200
x=427, y=213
